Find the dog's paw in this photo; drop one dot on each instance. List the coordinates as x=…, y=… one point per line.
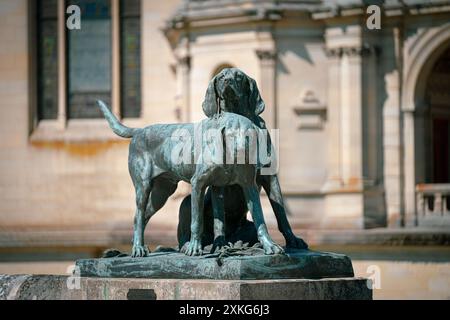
x=218, y=244
x=294, y=242
x=193, y=248
x=271, y=247
x=140, y=251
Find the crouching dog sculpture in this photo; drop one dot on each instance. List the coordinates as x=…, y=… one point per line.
x=206, y=155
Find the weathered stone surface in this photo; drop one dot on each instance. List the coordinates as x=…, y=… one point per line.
x=49, y=287
x=36, y=287
x=306, y=289
x=9, y=285
x=295, y=264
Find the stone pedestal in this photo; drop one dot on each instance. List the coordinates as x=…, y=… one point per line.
x=250, y=264
x=49, y=287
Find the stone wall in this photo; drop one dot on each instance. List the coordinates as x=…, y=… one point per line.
x=76, y=178
x=348, y=154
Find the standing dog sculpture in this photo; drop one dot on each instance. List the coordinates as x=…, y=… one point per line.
x=155, y=173
x=233, y=91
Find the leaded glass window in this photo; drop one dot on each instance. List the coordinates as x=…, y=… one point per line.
x=130, y=58
x=47, y=51
x=89, y=59
x=88, y=64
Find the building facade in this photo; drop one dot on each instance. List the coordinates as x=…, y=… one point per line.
x=363, y=113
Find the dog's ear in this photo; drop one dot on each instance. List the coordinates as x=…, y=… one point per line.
x=210, y=103
x=255, y=100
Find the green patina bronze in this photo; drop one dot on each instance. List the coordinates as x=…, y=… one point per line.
x=233, y=105
x=241, y=264
x=215, y=239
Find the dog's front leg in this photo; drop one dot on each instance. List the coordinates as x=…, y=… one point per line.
x=194, y=248
x=254, y=205
x=219, y=218
x=273, y=191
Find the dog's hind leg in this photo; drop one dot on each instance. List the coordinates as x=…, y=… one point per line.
x=219, y=217
x=254, y=205
x=142, y=194
x=184, y=221
x=162, y=189
x=140, y=168
x=273, y=191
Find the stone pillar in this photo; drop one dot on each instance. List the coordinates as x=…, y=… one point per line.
x=409, y=168
x=344, y=201
x=345, y=119
x=267, y=85
x=392, y=150
x=334, y=179
x=392, y=136
x=183, y=78
x=351, y=117
x=350, y=106
x=371, y=134
x=183, y=89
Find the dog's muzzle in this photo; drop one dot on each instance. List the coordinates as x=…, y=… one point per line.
x=230, y=93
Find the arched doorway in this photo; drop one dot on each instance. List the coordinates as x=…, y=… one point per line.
x=421, y=56
x=220, y=68
x=432, y=122
x=437, y=118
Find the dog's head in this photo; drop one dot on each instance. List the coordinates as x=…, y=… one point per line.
x=231, y=90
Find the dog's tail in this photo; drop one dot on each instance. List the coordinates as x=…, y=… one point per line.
x=114, y=123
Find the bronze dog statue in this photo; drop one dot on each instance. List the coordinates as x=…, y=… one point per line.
x=155, y=171
x=233, y=91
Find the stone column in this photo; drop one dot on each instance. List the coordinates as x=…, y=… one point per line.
x=351, y=117
x=183, y=88
x=349, y=109
x=267, y=85
x=392, y=137
x=345, y=118
x=183, y=75
x=334, y=179
x=392, y=150
x=344, y=199
x=409, y=168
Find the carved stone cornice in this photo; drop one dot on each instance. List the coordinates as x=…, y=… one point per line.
x=185, y=61
x=389, y=8
x=353, y=51
x=266, y=55
x=333, y=52
x=191, y=11
x=363, y=51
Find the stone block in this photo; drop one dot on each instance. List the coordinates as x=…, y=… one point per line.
x=52, y=287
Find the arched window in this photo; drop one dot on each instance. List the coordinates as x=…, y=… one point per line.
x=437, y=121
x=220, y=67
